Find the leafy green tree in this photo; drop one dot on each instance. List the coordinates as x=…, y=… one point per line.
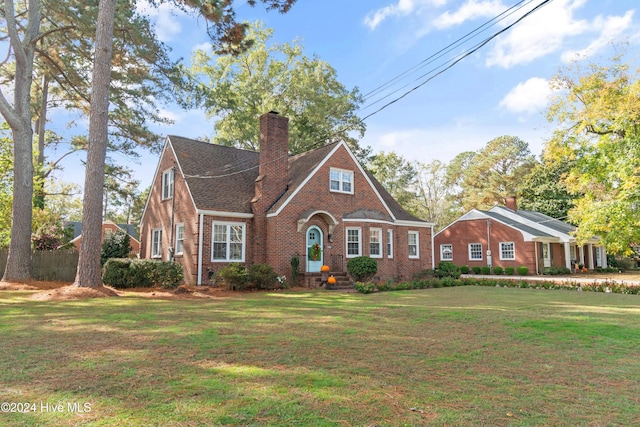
x=434, y=194
x=544, y=191
x=115, y=245
x=236, y=90
x=6, y=185
x=495, y=172
x=598, y=117
x=397, y=176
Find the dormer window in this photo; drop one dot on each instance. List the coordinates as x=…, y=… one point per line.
x=341, y=181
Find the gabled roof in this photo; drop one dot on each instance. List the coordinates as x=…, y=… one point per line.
x=532, y=225
x=76, y=226
x=222, y=178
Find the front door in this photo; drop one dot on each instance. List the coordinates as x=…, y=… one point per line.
x=314, y=249
x=546, y=255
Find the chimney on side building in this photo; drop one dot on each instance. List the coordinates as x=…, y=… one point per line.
x=511, y=203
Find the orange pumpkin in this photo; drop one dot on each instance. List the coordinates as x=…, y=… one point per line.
x=331, y=280
x=325, y=268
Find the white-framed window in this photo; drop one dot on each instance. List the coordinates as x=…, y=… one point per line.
x=341, y=181
x=389, y=243
x=167, y=184
x=354, y=242
x=375, y=242
x=107, y=232
x=446, y=252
x=507, y=250
x=414, y=244
x=156, y=243
x=475, y=251
x=228, y=242
x=179, y=239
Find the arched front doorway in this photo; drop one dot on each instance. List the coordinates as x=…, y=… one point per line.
x=314, y=249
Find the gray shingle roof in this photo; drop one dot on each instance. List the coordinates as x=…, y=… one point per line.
x=517, y=225
x=222, y=178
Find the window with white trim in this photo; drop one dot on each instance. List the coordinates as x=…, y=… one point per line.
x=507, y=250
x=341, y=181
x=167, y=184
x=179, y=239
x=446, y=252
x=228, y=242
x=414, y=247
x=389, y=243
x=156, y=243
x=354, y=246
x=475, y=251
x=375, y=242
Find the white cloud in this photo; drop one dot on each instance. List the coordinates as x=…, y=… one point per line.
x=528, y=97
x=539, y=34
x=610, y=28
x=165, y=16
x=471, y=9
x=401, y=8
x=206, y=47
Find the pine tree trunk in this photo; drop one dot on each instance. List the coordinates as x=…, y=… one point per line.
x=19, y=118
x=89, y=269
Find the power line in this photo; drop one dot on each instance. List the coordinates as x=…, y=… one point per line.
x=459, y=58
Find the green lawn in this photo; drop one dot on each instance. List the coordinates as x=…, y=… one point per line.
x=451, y=356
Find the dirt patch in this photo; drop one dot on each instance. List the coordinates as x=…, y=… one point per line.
x=61, y=291
x=71, y=292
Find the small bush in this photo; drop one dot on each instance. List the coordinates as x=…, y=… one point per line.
x=263, y=276
x=447, y=269
x=523, y=270
x=124, y=273
x=498, y=270
x=234, y=275
x=362, y=268
x=464, y=269
x=365, y=287
x=485, y=269
x=509, y=271
x=476, y=269
x=553, y=271
x=165, y=274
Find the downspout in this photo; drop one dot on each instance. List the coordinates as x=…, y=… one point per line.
x=535, y=246
x=173, y=209
x=489, y=258
x=433, y=260
x=200, y=239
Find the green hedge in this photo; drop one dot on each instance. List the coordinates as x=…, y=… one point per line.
x=606, y=286
x=125, y=273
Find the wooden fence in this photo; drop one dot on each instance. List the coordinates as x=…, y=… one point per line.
x=49, y=265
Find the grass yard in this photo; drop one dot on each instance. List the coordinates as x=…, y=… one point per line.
x=451, y=356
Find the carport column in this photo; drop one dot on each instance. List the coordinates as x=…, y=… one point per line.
x=603, y=254
x=581, y=260
x=590, y=247
x=567, y=255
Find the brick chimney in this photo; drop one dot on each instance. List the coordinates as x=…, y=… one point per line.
x=511, y=203
x=273, y=172
x=273, y=177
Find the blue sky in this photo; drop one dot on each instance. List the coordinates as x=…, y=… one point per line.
x=499, y=90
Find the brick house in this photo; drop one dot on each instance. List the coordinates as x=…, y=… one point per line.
x=210, y=205
x=108, y=227
x=508, y=237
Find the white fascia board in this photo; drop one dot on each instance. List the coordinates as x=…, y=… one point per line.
x=325, y=160
x=414, y=223
x=222, y=213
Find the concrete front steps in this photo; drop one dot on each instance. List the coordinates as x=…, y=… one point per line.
x=343, y=281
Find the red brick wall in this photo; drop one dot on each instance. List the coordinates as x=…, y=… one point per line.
x=158, y=215
x=462, y=233
x=285, y=240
